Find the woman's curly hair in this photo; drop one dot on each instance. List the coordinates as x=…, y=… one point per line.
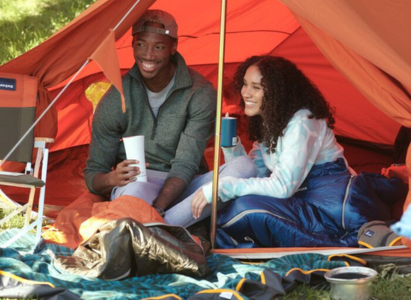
x=286, y=90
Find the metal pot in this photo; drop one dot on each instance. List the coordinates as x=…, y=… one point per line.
x=351, y=283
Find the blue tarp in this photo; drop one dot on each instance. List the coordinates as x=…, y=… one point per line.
x=224, y=272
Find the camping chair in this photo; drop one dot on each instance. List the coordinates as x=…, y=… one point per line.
x=17, y=115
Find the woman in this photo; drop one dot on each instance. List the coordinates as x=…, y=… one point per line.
x=304, y=193
x=291, y=124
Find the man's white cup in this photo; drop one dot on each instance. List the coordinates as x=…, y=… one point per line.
x=134, y=146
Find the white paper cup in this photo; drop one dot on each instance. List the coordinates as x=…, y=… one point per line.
x=134, y=146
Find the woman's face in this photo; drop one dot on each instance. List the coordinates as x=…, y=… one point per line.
x=252, y=91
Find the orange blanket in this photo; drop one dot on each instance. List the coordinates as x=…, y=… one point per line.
x=78, y=221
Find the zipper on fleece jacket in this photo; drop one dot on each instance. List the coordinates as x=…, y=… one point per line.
x=153, y=132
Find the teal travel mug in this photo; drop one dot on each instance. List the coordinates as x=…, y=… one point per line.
x=228, y=131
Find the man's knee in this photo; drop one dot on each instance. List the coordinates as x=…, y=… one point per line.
x=143, y=190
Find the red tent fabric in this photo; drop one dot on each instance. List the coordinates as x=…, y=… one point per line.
x=357, y=55
x=253, y=27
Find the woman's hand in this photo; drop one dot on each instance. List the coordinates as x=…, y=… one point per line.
x=198, y=203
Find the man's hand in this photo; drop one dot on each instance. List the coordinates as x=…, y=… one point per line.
x=123, y=174
x=173, y=187
x=198, y=203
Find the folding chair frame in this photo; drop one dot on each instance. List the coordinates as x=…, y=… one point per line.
x=41, y=161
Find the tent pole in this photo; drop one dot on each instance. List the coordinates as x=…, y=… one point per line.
x=126, y=15
x=217, y=150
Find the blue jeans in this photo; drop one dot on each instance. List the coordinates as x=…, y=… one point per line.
x=180, y=212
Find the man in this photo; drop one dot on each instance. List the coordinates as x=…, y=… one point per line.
x=167, y=102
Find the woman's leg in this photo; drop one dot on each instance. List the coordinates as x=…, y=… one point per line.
x=180, y=213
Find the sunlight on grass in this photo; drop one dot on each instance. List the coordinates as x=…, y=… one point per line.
x=15, y=222
x=27, y=23
x=17, y=9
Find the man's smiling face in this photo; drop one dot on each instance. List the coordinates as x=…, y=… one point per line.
x=152, y=53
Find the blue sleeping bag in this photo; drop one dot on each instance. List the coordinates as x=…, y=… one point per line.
x=327, y=211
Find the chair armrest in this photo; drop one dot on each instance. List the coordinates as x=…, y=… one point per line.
x=44, y=139
x=40, y=142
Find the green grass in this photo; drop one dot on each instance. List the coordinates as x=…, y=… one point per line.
x=26, y=23
x=15, y=222
x=391, y=287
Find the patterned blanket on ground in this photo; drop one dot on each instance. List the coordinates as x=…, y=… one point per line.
x=224, y=273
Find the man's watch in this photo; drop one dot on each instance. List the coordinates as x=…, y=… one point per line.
x=160, y=211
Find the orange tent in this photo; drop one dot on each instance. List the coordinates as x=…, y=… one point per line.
x=357, y=55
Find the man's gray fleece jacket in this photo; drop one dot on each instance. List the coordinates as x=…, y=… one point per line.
x=174, y=141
